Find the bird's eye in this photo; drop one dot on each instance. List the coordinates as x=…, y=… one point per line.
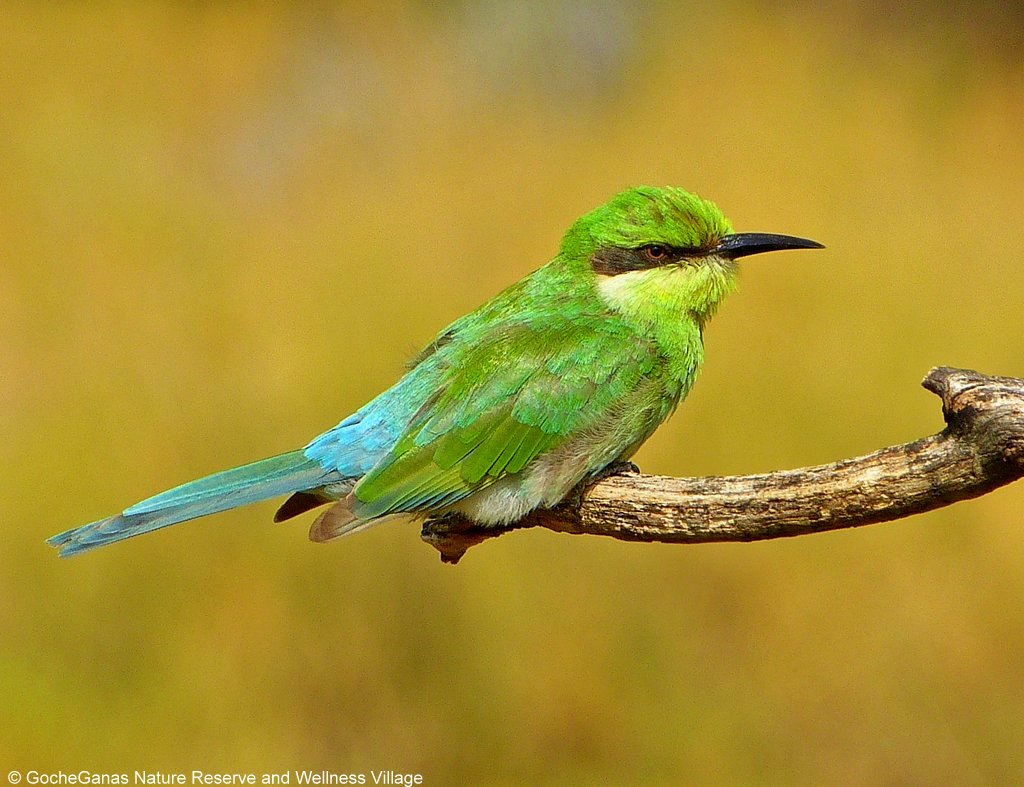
x=656, y=253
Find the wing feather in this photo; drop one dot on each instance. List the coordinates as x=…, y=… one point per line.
x=504, y=402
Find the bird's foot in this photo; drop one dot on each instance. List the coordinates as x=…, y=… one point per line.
x=615, y=468
x=574, y=500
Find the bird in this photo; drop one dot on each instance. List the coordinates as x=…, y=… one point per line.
x=538, y=392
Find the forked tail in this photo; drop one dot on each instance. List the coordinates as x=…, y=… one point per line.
x=251, y=483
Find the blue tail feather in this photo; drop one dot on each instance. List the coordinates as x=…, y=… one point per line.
x=251, y=483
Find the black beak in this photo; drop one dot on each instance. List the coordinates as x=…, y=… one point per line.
x=743, y=244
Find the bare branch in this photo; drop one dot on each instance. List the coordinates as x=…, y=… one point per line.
x=981, y=448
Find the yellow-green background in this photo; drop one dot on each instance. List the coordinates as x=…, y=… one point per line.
x=224, y=227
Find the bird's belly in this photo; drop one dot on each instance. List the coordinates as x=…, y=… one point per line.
x=542, y=484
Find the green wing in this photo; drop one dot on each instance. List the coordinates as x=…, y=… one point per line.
x=505, y=400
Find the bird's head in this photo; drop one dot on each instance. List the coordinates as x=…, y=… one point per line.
x=664, y=247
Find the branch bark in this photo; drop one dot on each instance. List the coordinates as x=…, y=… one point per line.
x=981, y=449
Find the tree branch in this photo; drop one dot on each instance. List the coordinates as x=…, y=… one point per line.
x=981, y=448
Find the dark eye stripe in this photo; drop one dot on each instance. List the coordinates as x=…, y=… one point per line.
x=613, y=260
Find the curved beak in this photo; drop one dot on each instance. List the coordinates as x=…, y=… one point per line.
x=743, y=244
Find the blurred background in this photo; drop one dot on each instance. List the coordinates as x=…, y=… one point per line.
x=223, y=227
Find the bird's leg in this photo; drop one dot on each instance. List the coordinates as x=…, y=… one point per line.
x=615, y=468
x=574, y=499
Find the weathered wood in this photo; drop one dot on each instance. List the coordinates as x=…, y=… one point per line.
x=981, y=448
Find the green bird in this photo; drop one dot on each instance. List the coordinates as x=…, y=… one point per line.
x=513, y=406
